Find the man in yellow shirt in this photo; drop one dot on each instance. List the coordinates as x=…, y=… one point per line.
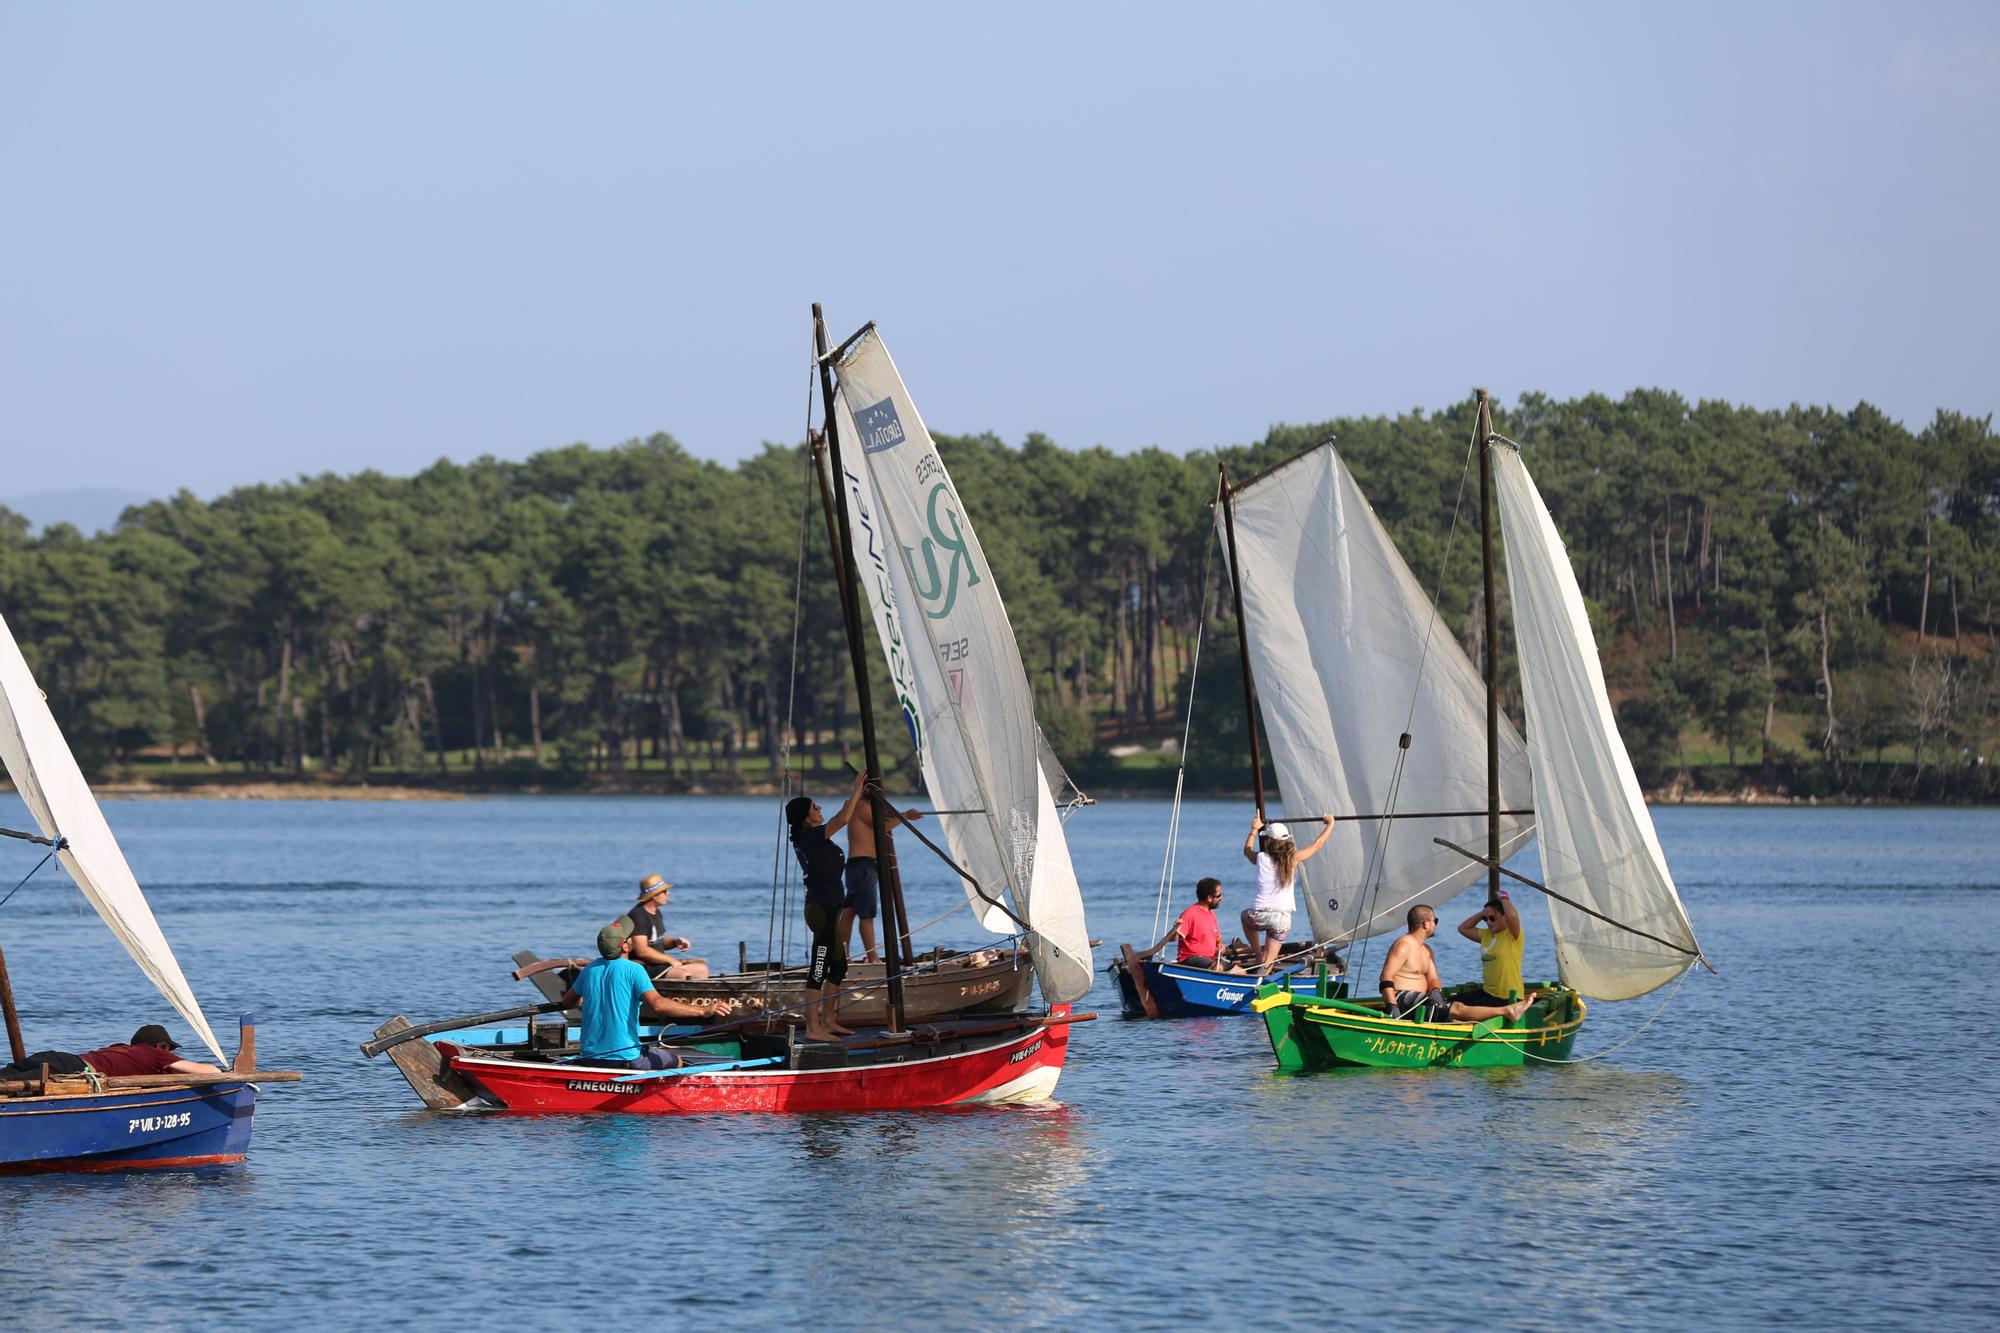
x=1496, y=929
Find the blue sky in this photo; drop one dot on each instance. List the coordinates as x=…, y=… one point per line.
x=242, y=242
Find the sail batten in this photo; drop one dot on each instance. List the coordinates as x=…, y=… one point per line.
x=957, y=669
x=1597, y=837
x=51, y=785
x=1346, y=649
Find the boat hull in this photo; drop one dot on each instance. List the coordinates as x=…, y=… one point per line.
x=929, y=993
x=1017, y=1067
x=158, y=1128
x=1195, y=992
x=1312, y=1032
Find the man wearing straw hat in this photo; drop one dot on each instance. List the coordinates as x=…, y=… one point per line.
x=650, y=941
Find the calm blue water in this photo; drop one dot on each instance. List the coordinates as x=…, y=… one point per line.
x=1808, y=1139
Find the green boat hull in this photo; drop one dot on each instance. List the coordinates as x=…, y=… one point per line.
x=1313, y=1032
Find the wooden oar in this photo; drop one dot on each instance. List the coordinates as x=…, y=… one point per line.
x=1136, y=971
x=373, y=1048
x=138, y=1082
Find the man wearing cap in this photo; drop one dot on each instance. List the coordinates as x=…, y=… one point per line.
x=611, y=992
x=151, y=1051
x=1496, y=929
x=650, y=940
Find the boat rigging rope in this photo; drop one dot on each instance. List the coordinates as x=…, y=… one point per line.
x=1379, y=854
x=30, y=875
x=1599, y=1055
x=1169, y=865
x=778, y=929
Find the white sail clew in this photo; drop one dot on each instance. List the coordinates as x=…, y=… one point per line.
x=960, y=681
x=52, y=786
x=1337, y=627
x=1598, y=843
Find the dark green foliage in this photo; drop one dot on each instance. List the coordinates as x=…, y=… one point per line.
x=589, y=610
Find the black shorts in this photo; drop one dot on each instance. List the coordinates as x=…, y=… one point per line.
x=1484, y=999
x=864, y=887
x=829, y=951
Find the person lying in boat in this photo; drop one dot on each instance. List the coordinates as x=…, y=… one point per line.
x=650, y=940
x=863, y=878
x=1199, y=933
x=151, y=1051
x=1410, y=978
x=611, y=992
x=1496, y=929
x=1277, y=858
x=823, y=864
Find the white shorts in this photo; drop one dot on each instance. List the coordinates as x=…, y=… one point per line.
x=1271, y=921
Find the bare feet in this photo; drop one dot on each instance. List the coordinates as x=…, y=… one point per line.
x=872, y=957
x=840, y=1029
x=1520, y=1006
x=820, y=1034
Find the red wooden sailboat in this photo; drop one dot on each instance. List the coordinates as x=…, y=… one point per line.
x=966, y=702
x=947, y=1065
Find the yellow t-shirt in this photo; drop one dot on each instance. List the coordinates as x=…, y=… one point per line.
x=1500, y=963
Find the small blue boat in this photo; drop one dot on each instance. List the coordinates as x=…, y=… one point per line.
x=1179, y=991
x=124, y=1131
x=198, y=1115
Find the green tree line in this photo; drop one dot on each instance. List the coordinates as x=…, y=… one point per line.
x=1769, y=586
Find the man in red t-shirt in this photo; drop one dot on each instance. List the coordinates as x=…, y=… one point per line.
x=1197, y=930
x=151, y=1051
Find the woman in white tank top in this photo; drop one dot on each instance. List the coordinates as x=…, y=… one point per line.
x=1268, y=920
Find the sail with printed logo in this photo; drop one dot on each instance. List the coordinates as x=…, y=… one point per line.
x=1348, y=655
x=960, y=685
x=51, y=785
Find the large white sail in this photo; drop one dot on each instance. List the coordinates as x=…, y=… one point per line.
x=965, y=693
x=1343, y=641
x=52, y=786
x=1598, y=843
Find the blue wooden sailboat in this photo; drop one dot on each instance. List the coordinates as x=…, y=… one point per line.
x=93, y=1121
x=1179, y=991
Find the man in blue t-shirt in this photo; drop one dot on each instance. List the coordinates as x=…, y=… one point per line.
x=612, y=991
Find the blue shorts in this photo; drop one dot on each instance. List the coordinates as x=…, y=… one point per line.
x=864, y=884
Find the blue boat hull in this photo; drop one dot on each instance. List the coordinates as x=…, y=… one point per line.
x=1189, y=992
x=126, y=1131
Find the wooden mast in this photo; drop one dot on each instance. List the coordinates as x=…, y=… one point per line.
x=1484, y=430
x=13, y=1017
x=1242, y=638
x=895, y=943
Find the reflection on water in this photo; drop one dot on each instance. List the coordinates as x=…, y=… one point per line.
x=1767, y=1152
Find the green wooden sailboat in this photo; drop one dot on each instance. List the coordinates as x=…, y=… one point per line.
x=1371, y=706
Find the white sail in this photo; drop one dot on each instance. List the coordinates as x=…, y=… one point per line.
x=1343, y=641
x=52, y=786
x=947, y=770
x=1598, y=843
x=971, y=709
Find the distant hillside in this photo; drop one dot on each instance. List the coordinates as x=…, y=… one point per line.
x=91, y=508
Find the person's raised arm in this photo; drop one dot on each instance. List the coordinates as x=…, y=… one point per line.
x=1250, y=843
x=839, y=821
x=1470, y=926
x=1510, y=914
x=1307, y=852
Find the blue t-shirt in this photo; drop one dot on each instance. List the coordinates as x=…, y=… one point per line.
x=610, y=989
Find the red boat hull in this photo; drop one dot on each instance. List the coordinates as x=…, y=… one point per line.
x=1015, y=1067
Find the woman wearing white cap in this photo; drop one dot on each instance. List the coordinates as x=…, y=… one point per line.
x=1270, y=912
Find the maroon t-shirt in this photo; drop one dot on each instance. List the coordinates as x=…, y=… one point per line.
x=124, y=1059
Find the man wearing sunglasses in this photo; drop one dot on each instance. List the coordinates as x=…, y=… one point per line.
x=1410, y=979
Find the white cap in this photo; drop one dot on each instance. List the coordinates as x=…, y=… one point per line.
x=1277, y=833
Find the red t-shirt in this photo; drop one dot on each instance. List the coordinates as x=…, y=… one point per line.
x=1200, y=936
x=124, y=1059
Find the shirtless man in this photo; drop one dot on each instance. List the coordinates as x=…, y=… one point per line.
x=863, y=877
x=1410, y=978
